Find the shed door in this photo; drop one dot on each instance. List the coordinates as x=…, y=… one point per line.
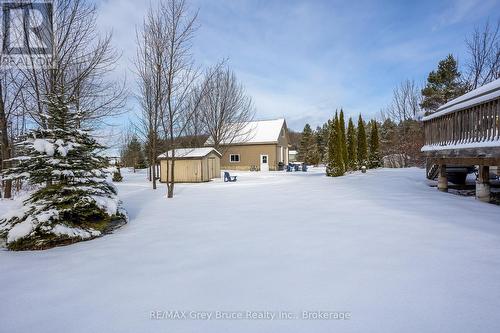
x=211, y=168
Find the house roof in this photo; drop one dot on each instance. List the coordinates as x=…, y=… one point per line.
x=189, y=153
x=477, y=96
x=263, y=131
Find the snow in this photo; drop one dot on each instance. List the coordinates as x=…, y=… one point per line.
x=477, y=96
x=63, y=230
x=189, y=153
x=13, y=208
x=45, y=216
x=46, y=147
x=110, y=205
x=264, y=131
x=482, y=144
x=396, y=254
x=43, y=146
x=20, y=230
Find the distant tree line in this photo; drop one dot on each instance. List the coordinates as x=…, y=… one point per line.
x=396, y=140
x=341, y=148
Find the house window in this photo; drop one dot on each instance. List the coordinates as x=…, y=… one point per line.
x=234, y=158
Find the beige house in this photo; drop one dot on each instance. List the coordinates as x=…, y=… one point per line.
x=263, y=146
x=192, y=165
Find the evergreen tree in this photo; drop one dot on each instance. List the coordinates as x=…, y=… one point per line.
x=72, y=200
x=320, y=144
x=374, y=159
x=343, y=136
x=352, y=155
x=308, y=150
x=134, y=154
x=443, y=85
x=335, y=166
x=362, y=144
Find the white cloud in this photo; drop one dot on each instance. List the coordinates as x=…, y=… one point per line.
x=458, y=11
x=304, y=59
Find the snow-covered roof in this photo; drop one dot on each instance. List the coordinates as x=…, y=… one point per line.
x=189, y=153
x=477, y=96
x=263, y=131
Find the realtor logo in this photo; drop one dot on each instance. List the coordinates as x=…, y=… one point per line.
x=27, y=33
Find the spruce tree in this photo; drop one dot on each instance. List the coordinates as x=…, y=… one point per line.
x=374, y=158
x=134, y=154
x=443, y=85
x=362, y=144
x=352, y=155
x=320, y=144
x=342, y=134
x=72, y=200
x=336, y=166
x=306, y=148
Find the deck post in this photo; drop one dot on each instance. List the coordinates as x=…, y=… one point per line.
x=442, y=179
x=483, y=184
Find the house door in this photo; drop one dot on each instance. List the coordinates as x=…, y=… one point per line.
x=264, y=163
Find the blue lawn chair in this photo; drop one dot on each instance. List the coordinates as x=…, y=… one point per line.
x=228, y=177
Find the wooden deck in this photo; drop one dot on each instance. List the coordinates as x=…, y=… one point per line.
x=464, y=133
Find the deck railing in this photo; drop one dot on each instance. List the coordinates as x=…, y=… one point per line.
x=477, y=124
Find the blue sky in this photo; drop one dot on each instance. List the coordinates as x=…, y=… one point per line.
x=303, y=59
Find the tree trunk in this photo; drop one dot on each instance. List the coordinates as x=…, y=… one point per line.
x=153, y=163
x=170, y=180
x=5, y=152
x=154, y=175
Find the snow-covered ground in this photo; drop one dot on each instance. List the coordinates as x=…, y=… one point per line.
x=396, y=254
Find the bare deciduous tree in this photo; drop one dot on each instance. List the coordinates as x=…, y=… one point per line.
x=405, y=102
x=12, y=118
x=178, y=76
x=80, y=64
x=151, y=65
x=404, y=112
x=169, y=90
x=225, y=108
x=483, y=46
